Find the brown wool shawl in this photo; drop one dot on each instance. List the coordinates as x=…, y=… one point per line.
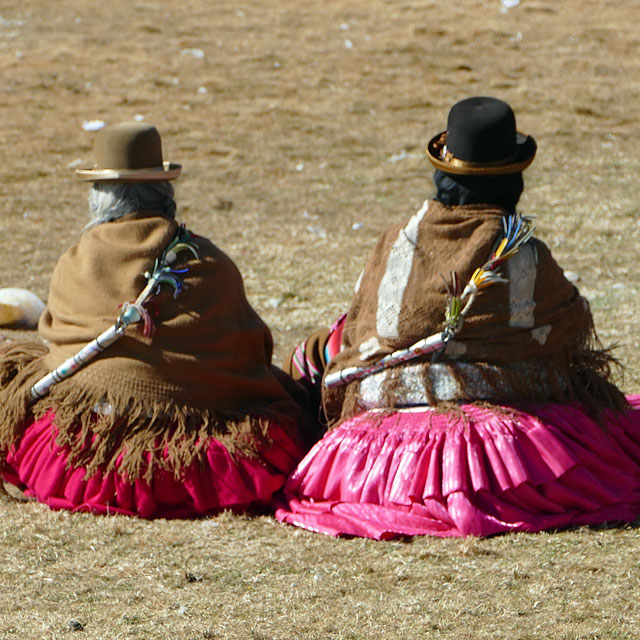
x=536, y=320
x=205, y=371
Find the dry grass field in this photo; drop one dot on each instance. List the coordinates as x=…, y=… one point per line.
x=301, y=128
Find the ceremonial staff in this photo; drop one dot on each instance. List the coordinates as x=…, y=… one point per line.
x=517, y=231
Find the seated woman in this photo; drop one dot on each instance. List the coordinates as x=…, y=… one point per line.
x=465, y=390
x=153, y=392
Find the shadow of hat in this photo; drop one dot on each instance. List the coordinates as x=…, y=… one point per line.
x=129, y=152
x=481, y=139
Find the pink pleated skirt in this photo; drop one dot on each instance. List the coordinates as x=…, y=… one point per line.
x=219, y=481
x=414, y=472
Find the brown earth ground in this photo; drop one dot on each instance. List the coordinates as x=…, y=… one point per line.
x=301, y=129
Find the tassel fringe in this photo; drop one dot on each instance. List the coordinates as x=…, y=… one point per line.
x=102, y=431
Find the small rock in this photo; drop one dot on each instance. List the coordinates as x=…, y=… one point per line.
x=93, y=125
x=74, y=625
x=19, y=307
x=273, y=303
x=195, y=53
x=508, y=4
x=398, y=156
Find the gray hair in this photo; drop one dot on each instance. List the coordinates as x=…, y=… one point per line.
x=109, y=201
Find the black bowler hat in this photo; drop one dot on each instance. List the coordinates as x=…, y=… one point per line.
x=481, y=139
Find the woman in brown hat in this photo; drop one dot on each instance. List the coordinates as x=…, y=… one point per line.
x=153, y=392
x=465, y=390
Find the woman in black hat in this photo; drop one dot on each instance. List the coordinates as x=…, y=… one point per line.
x=465, y=390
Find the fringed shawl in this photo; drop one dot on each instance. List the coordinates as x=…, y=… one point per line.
x=532, y=337
x=205, y=371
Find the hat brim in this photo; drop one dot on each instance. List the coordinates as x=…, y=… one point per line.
x=525, y=152
x=169, y=171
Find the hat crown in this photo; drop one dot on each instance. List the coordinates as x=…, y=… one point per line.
x=481, y=130
x=481, y=139
x=129, y=145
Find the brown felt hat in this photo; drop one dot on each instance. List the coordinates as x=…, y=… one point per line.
x=129, y=152
x=481, y=139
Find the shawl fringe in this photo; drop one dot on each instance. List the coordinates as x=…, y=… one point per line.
x=102, y=430
x=584, y=377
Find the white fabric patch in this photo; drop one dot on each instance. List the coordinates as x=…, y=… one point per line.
x=445, y=387
x=396, y=276
x=369, y=348
x=540, y=334
x=370, y=389
x=522, y=281
x=410, y=390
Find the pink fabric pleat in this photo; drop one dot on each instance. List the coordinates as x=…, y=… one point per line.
x=538, y=467
x=219, y=481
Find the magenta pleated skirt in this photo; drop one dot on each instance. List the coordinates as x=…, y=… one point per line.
x=414, y=472
x=219, y=481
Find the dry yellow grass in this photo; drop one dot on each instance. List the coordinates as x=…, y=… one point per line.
x=293, y=122
x=234, y=577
